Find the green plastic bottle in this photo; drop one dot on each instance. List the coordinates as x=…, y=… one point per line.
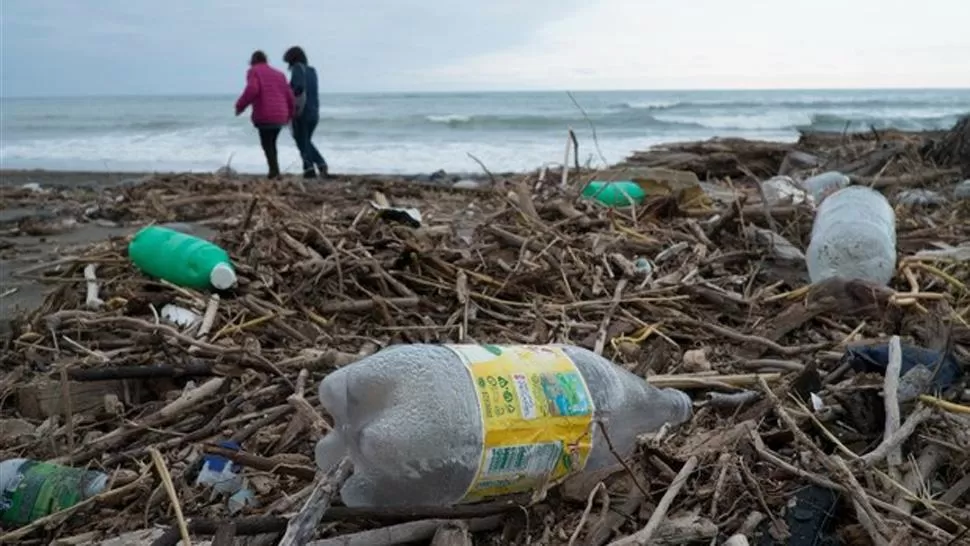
x=182, y=259
x=615, y=194
x=30, y=490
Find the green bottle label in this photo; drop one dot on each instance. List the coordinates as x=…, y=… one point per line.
x=43, y=489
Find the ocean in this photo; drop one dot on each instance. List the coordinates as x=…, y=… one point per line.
x=424, y=132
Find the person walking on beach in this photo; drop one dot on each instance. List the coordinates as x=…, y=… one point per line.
x=273, y=105
x=303, y=82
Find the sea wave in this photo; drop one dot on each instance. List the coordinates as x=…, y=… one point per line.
x=830, y=123
x=449, y=119
x=803, y=104
x=773, y=120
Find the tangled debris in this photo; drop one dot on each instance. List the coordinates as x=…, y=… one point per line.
x=788, y=440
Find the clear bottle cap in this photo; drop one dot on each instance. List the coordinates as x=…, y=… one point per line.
x=222, y=276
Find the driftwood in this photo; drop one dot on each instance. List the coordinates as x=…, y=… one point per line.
x=681, y=291
x=953, y=149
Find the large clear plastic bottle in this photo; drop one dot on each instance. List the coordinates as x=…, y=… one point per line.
x=423, y=424
x=854, y=237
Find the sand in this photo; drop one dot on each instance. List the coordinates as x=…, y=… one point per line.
x=18, y=252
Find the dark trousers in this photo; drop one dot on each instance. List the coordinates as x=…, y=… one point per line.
x=267, y=139
x=303, y=134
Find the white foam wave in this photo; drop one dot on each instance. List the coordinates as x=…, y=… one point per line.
x=779, y=119
x=341, y=111
x=651, y=104
x=174, y=152
x=448, y=118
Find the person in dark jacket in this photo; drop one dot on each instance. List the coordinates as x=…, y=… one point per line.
x=303, y=82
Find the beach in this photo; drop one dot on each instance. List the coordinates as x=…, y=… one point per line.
x=700, y=285
x=42, y=219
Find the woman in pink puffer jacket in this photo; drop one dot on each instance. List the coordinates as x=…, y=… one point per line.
x=273, y=105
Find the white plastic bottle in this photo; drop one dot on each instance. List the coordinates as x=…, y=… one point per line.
x=854, y=237
x=30, y=490
x=822, y=185
x=443, y=424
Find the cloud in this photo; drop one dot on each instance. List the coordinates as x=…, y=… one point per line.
x=67, y=47
x=186, y=46
x=724, y=44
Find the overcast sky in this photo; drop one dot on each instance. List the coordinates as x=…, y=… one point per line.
x=83, y=47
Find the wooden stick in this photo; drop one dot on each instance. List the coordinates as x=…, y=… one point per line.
x=365, y=305
x=866, y=514
x=686, y=381
x=313, y=417
x=304, y=524
x=589, y=508
x=452, y=533
x=68, y=408
x=209, y=318
x=565, y=161
x=92, y=301
x=643, y=536
x=172, y=495
x=890, y=395
x=405, y=533
x=901, y=435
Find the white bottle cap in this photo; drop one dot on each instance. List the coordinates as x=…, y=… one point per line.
x=222, y=276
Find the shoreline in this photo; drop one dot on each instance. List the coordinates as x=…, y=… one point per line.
x=41, y=224
x=81, y=179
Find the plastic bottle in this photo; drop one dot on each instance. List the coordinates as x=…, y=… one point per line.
x=615, y=194
x=182, y=259
x=444, y=424
x=783, y=189
x=822, y=185
x=854, y=236
x=30, y=490
x=962, y=190
x=223, y=475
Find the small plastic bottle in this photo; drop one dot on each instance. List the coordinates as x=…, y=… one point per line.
x=854, y=237
x=822, y=185
x=224, y=476
x=30, y=490
x=962, y=190
x=446, y=424
x=621, y=193
x=182, y=259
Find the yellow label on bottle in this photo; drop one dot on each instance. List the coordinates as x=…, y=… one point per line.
x=537, y=414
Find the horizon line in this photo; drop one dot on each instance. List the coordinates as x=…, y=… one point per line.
x=497, y=92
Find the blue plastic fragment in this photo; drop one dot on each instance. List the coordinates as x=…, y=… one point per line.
x=875, y=359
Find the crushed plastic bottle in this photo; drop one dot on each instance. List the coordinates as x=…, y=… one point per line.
x=783, y=190
x=920, y=197
x=180, y=258
x=30, y=490
x=223, y=475
x=439, y=425
x=854, y=237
